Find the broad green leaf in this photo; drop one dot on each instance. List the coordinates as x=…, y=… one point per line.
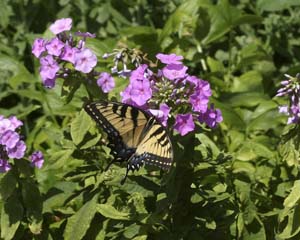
x=141, y=237
x=61, y=192
x=33, y=205
x=276, y=5
x=109, y=211
x=79, y=126
x=206, y=141
x=60, y=159
x=19, y=74
x=294, y=195
x=248, y=82
x=224, y=17
x=239, y=167
x=255, y=230
x=79, y=223
x=91, y=142
x=11, y=216
x=265, y=121
x=31, y=94
x=247, y=99
x=6, y=12
x=8, y=184
x=250, y=150
x=131, y=230
x=196, y=198
x=289, y=152
x=264, y=107
x=230, y=116
x=215, y=65
x=184, y=16
x=292, y=225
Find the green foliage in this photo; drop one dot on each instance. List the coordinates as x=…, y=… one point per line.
x=238, y=181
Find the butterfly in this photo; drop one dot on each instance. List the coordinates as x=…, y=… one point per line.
x=134, y=135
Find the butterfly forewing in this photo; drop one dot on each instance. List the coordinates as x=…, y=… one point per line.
x=120, y=121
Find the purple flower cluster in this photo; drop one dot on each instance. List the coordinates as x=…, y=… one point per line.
x=174, y=92
x=63, y=56
x=11, y=145
x=291, y=89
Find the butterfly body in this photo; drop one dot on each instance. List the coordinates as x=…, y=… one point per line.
x=133, y=134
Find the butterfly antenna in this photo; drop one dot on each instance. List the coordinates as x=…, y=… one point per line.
x=123, y=180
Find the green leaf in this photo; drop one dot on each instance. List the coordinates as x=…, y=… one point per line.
x=79, y=223
x=80, y=126
x=250, y=150
x=110, y=212
x=33, y=205
x=255, y=230
x=141, y=237
x=6, y=12
x=294, y=195
x=247, y=99
x=248, y=82
x=292, y=227
x=11, y=216
x=184, y=16
x=132, y=230
x=8, y=184
x=230, y=116
x=215, y=65
x=19, y=74
x=91, y=142
x=59, y=159
x=206, y=141
x=276, y=5
x=268, y=120
x=224, y=17
x=62, y=191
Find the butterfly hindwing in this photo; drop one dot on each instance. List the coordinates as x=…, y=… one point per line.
x=155, y=147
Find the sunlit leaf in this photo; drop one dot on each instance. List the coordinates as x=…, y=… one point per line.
x=79, y=223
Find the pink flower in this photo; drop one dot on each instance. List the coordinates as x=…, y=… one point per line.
x=106, y=82
x=85, y=60
x=184, y=123
x=54, y=47
x=162, y=113
x=169, y=58
x=174, y=71
x=5, y=125
x=49, y=67
x=138, y=73
x=4, y=166
x=49, y=82
x=141, y=93
x=37, y=159
x=14, y=122
x=9, y=139
x=38, y=47
x=211, y=117
x=68, y=54
x=18, y=151
x=61, y=25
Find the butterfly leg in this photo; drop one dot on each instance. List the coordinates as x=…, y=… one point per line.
x=111, y=162
x=127, y=170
